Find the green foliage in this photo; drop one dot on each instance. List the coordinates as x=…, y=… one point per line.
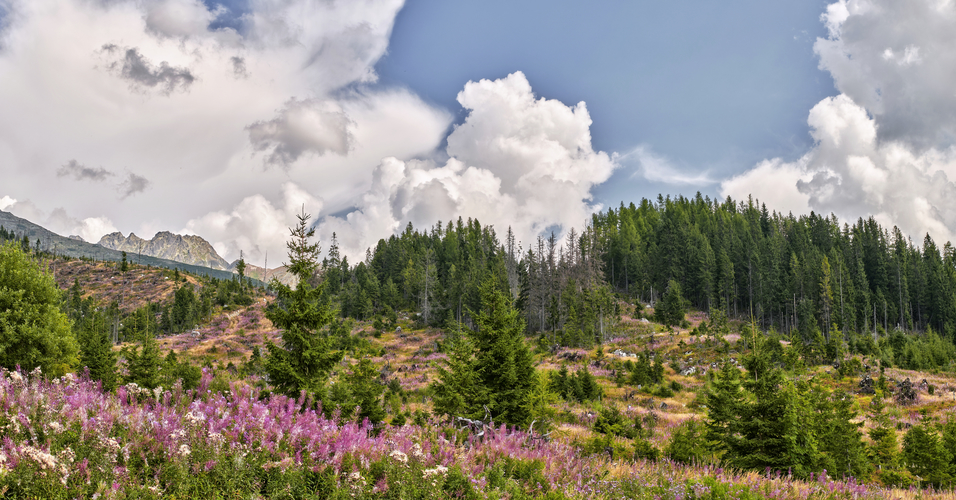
x=612, y=422
x=143, y=362
x=503, y=361
x=760, y=421
x=671, y=309
x=459, y=391
x=365, y=392
x=926, y=457
x=305, y=358
x=687, y=444
x=96, y=352
x=644, y=371
x=493, y=367
x=173, y=371
x=33, y=330
x=580, y=386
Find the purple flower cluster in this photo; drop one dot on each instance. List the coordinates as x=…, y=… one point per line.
x=67, y=433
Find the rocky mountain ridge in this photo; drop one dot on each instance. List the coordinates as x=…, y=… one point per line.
x=189, y=249
x=75, y=247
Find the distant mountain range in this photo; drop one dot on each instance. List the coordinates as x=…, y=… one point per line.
x=187, y=253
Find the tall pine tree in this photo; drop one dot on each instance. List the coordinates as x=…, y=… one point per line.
x=306, y=356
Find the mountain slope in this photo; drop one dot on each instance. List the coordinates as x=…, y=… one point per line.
x=59, y=245
x=189, y=249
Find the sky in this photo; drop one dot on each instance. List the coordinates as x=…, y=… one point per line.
x=226, y=118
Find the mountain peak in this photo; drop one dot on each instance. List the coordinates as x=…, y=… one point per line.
x=189, y=249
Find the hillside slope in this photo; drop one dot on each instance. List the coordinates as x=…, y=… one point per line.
x=59, y=245
x=188, y=249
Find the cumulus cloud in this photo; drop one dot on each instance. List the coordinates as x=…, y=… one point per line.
x=288, y=87
x=58, y=220
x=131, y=185
x=256, y=224
x=178, y=18
x=517, y=161
x=896, y=60
x=884, y=146
x=239, y=67
x=309, y=126
x=81, y=172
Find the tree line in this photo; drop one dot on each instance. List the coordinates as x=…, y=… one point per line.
x=796, y=273
x=557, y=285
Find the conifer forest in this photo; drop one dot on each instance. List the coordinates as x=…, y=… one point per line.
x=678, y=348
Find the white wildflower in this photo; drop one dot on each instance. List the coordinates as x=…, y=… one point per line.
x=216, y=439
x=184, y=450
x=435, y=473
x=440, y=470
x=15, y=377
x=399, y=456
x=194, y=418
x=67, y=456
x=56, y=427
x=417, y=451
x=112, y=445
x=44, y=459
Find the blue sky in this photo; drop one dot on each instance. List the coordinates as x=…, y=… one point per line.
x=225, y=118
x=709, y=85
x=712, y=87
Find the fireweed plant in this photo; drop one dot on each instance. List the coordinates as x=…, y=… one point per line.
x=66, y=438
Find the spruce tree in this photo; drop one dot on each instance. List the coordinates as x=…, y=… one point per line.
x=306, y=356
x=492, y=367
x=670, y=311
x=925, y=456
x=503, y=362
x=763, y=424
x=844, y=441
x=884, y=445
x=366, y=391
x=143, y=362
x=458, y=391
x=96, y=351
x=842, y=438
x=725, y=400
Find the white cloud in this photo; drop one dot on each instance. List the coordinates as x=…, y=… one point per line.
x=896, y=60
x=853, y=174
x=256, y=225
x=884, y=146
x=58, y=220
x=180, y=117
x=515, y=161
x=309, y=126
x=772, y=182
x=178, y=18
x=6, y=201
x=186, y=123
